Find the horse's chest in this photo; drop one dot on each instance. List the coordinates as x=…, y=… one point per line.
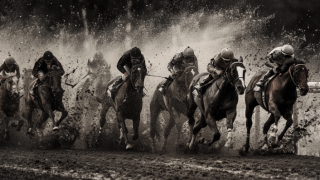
x=10, y=109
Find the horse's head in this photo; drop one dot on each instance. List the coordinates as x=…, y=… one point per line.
x=11, y=85
x=299, y=75
x=138, y=73
x=188, y=74
x=236, y=75
x=53, y=79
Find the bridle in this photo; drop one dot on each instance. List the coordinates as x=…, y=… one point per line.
x=227, y=76
x=292, y=74
x=133, y=81
x=186, y=75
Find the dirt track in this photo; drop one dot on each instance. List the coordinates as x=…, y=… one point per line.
x=100, y=164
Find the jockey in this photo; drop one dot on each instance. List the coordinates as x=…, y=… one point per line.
x=129, y=58
x=279, y=57
x=42, y=67
x=9, y=66
x=178, y=63
x=216, y=67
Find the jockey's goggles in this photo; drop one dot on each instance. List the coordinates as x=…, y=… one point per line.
x=225, y=59
x=135, y=60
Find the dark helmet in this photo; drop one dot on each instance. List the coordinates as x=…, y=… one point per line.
x=9, y=61
x=188, y=52
x=48, y=55
x=227, y=54
x=135, y=52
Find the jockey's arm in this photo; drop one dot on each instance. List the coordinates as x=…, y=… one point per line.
x=59, y=65
x=36, y=69
x=18, y=71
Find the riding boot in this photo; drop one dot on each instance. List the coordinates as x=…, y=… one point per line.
x=165, y=84
x=115, y=86
x=200, y=84
x=265, y=77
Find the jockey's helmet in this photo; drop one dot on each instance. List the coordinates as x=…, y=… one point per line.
x=135, y=52
x=188, y=52
x=48, y=56
x=227, y=54
x=9, y=61
x=287, y=50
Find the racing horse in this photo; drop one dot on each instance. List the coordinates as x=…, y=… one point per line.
x=174, y=102
x=9, y=104
x=280, y=96
x=48, y=99
x=218, y=101
x=127, y=103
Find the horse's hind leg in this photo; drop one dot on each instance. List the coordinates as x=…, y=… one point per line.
x=231, y=116
x=266, y=128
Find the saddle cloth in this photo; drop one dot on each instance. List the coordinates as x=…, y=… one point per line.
x=260, y=92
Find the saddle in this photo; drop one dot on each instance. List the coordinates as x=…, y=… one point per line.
x=260, y=92
x=116, y=88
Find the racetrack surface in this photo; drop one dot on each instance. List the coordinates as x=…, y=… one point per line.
x=100, y=164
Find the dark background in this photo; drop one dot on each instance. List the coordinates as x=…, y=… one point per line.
x=300, y=16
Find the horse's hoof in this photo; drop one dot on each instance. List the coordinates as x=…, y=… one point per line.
x=135, y=137
x=129, y=147
x=55, y=128
x=228, y=144
x=265, y=147
x=20, y=124
x=29, y=132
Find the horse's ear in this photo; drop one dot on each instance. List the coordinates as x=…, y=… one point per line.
x=241, y=59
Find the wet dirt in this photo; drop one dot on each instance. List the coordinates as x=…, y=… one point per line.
x=102, y=164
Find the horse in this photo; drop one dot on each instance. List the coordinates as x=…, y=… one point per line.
x=9, y=104
x=173, y=102
x=127, y=103
x=48, y=100
x=218, y=101
x=280, y=96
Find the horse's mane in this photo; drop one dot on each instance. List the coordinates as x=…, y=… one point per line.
x=299, y=61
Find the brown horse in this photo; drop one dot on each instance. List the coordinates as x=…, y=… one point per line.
x=9, y=104
x=127, y=103
x=174, y=102
x=281, y=94
x=219, y=101
x=48, y=100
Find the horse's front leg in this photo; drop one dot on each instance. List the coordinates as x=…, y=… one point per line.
x=231, y=116
x=29, y=110
x=64, y=112
x=5, y=120
x=123, y=130
x=277, y=115
x=136, y=122
x=48, y=109
x=288, y=117
x=44, y=116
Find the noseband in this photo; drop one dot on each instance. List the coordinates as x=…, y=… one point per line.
x=225, y=74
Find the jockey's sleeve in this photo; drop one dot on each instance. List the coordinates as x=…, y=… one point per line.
x=125, y=59
x=2, y=67
x=17, y=70
x=195, y=62
x=57, y=63
x=144, y=62
x=36, y=69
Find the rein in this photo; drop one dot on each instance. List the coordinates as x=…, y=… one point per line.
x=225, y=74
x=291, y=75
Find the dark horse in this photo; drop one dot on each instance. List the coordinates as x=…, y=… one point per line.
x=9, y=104
x=127, y=103
x=219, y=101
x=174, y=102
x=49, y=99
x=281, y=94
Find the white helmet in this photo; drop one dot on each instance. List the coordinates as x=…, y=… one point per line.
x=287, y=50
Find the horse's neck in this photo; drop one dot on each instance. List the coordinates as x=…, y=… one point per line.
x=286, y=81
x=181, y=81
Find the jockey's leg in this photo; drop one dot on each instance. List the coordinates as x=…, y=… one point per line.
x=115, y=85
x=162, y=89
x=270, y=73
x=201, y=83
